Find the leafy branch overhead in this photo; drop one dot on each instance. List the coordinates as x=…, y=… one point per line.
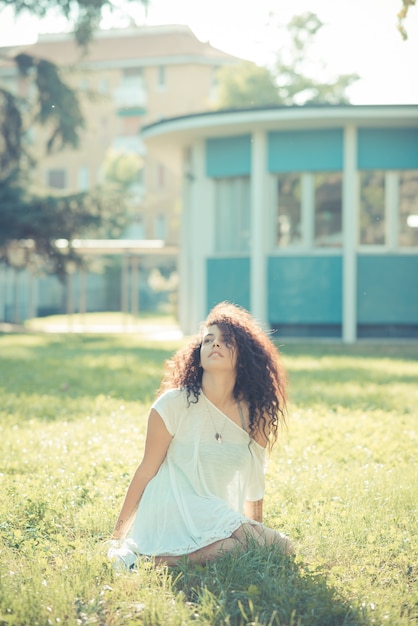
x=36, y=220
x=291, y=79
x=11, y=129
x=85, y=15
x=57, y=104
x=402, y=15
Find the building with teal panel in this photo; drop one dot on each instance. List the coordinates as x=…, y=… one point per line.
x=307, y=216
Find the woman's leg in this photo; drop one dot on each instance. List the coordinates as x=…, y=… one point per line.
x=238, y=540
x=264, y=536
x=201, y=556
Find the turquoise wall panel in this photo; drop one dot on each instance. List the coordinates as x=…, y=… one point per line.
x=387, y=148
x=228, y=156
x=387, y=289
x=228, y=279
x=305, y=290
x=308, y=150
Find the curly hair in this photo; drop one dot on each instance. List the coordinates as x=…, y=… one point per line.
x=260, y=375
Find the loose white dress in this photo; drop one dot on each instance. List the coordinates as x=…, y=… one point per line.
x=197, y=496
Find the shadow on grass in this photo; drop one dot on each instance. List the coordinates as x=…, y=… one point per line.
x=261, y=587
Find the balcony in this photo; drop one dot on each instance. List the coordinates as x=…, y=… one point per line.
x=130, y=98
x=129, y=143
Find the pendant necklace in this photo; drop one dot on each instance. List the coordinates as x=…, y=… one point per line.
x=218, y=433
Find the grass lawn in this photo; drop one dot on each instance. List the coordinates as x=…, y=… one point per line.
x=342, y=483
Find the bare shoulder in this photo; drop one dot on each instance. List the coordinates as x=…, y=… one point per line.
x=259, y=436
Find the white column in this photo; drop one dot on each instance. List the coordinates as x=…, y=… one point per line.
x=135, y=286
x=349, y=223
x=259, y=211
x=32, y=293
x=184, y=259
x=200, y=232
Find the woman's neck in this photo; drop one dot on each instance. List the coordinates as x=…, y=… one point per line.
x=218, y=389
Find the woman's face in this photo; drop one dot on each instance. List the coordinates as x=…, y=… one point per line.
x=216, y=352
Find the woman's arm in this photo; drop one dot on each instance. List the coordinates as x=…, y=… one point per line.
x=254, y=510
x=156, y=444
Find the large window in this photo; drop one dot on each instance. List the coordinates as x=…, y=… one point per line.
x=408, y=208
x=160, y=227
x=309, y=210
x=56, y=179
x=289, y=215
x=388, y=213
x=161, y=78
x=372, y=208
x=83, y=178
x=232, y=214
x=328, y=210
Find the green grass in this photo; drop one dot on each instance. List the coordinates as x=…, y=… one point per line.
x=342, y=483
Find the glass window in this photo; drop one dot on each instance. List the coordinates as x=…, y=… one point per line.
x=232, y=214
x=56, y=179
x=103, y=86
x=83, y=178
x=160, y=176
x=372, y=208
x=132, y=72
x=328, y=209
x=408, y=208
x=84, y=84
x=214, y=86
x=161, y=77
x=289, y=213
x=160, y=227
x=136, y=230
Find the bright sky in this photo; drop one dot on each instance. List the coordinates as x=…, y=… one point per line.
x=359, y=36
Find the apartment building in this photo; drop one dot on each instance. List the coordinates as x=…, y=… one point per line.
x=126, y=79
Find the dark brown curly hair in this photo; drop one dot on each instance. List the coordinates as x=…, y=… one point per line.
x=261, y=377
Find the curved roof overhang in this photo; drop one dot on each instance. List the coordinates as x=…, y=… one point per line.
x=188, y=128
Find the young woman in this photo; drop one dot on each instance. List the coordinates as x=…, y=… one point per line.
x=199, y=488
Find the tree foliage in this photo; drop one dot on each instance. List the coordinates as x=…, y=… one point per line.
x=122, y=169
x=30, y=222
x=402, y=15
x=246, y=84
x=85, y=15
x=34, y=222
x=289, y=81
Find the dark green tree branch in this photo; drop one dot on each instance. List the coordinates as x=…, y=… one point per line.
x=31, y=223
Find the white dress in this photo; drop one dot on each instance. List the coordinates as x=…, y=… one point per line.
x=197, y=496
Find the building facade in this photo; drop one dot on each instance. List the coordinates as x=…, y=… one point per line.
x=128, y=78
x=307, y=216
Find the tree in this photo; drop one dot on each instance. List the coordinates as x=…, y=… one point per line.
x=31, y=225
x=122, y=169
x=289, y=81
x=246, y=85
x=295, y=84
x=402, y=15
x=31, y=218
x=85, y=15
